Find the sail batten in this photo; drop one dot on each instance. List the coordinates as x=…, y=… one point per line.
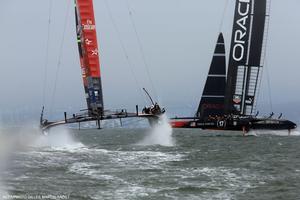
x=212, y=100
x=89, y=55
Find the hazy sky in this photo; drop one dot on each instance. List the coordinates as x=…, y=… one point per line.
x=178, y=38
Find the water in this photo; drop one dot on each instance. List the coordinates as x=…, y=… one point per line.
x=126, y=164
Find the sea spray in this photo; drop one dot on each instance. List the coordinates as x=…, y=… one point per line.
x=160, y=134
x=59, y=138
x=3, y=192
x=295, y=132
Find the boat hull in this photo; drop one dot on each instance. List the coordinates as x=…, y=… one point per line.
x=238, y=124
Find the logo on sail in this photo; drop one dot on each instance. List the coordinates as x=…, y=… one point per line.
x=88, y=42
x=249, y=100
x=89, y=25
x=240, y=35
x=237, y=99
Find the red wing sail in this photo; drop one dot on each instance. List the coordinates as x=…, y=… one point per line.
x=89, y=55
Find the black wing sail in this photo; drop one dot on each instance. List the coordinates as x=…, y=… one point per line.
x=212, y=100
x=246, y=56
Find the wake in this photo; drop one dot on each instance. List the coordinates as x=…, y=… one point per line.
x=282, y=133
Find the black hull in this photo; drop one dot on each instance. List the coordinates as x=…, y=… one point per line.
x=153, y=116
x=240, y=124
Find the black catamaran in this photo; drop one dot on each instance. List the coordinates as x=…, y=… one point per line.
x=90, y=66
x=229, y=102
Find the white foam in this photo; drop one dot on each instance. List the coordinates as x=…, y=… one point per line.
x=161, y=134
x=143, y=159
x=252, y=133
x=59, y=138
x=295, y=132
x=275, y=132
x=126, y=191
x=3, y=193
x=227, y=182
x=92, y=170
x=4, y=153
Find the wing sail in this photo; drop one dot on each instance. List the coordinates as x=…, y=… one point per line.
x=246, y=56
x=89, y=55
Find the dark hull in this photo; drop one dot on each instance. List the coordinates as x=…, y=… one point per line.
x=152, y=118
x=152, y=114
x=235, y=124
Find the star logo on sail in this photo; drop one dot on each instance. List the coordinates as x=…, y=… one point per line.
x=88, y=42
x=95, y=52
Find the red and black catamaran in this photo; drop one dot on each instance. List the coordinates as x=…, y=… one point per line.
x=229, y=101
x=91, y=75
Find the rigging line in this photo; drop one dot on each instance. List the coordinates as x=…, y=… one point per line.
x=267, y=67
x=264, y=61
x=223, y=16
x=60, y=56
x=269, y=87
x=220, y=31
x=141, y=47
x=123, y=48
x=47, y=52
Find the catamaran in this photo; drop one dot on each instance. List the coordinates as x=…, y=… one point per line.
x=90, y=67
x=229, y=101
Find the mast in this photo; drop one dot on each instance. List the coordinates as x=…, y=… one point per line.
x=212, y=100
x=246, y=56
x=89, y=56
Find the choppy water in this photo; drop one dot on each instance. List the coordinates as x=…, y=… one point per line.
x=121, y=164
